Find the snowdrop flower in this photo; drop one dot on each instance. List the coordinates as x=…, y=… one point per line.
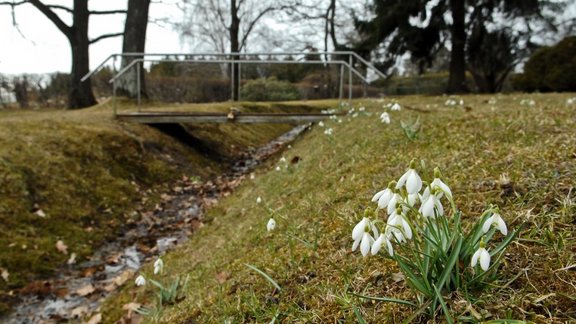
x=361, y=235
x=412, y=199
x=527, y=102
x=411, y=179
x=450, y=102
x=395, y=107
x=140, y=280
x=259, y=200
x=438, y=184
x=362, y=108
x=496, y=220
x=492, y=101
x=385, y=118
x=571, y=101
x=271, y=224
x=383, y=197
x=392, y=204
x=378, y=244
x=158, y=266
x=398, y=225
x=321, y=123
x=283, y=159
x=340, y=121
x=329, y=131
x=278, y=168
x=482, y=255
x=461, y=102
x=432, y=207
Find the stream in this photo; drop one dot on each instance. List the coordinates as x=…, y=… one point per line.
x=80, y=288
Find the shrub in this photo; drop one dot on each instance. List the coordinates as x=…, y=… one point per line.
x=550, y=69
x=269, y=90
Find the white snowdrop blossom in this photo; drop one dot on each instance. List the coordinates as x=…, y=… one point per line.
x=411, y=180
x=527, y=102
x=271, y=225
x=571, y=101
x=399, y=227
x=340, y=121
x=450, y=102
x=259, y=200
x=283, y=159
x=158, y=266
x=483, y=256
x=140, y=280
x=392, y=204
x=321, y=123
x=383, y=198
x=496, y=220
x=385, y=118
x=378, y=245
x=492, y=101
x=395, y=107
x=329, y=131
x=432, y=207
x=439, y=185
x=362, y=237
x=278, y=168
x=362, y=108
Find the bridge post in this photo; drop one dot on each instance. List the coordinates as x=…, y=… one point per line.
x=138, y=85
x=341, y=81
x=349, y=77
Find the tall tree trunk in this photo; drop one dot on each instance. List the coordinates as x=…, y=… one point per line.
x=457, y=80
x=80, y=93
x=234, y=48
x=134, y=41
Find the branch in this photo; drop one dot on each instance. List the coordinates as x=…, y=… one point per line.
x=65, y=29
x=61, y=8
x=101, y=37
x=252, y=23
x=13, y=4
x=108, y=12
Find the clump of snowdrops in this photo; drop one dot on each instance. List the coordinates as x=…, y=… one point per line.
x=421, y=229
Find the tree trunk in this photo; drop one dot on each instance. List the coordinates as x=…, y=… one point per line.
x=134, y=41
x=457, y=80
x=234, y=48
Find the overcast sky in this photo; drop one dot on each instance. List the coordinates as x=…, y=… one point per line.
x=45, y=49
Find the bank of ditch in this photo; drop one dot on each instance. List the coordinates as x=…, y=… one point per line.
x=73, y=181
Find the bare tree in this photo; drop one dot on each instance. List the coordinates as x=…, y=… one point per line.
x=227, y=25
x=80, y=93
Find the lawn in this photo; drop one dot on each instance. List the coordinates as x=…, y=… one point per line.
x=515, y=151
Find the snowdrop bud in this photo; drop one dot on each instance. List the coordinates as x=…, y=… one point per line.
x=481, y=255
x=140, y=280
x=259, y=200
x=271, y=224
x=158, y=266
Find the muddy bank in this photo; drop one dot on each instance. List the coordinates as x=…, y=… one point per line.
x=80, y=287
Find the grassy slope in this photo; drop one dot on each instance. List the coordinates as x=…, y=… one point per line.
x=321, y=198
x=87, y=173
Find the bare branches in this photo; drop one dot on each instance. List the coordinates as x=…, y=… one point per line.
x=101, y=37
x=50, y=14
x=68, y=10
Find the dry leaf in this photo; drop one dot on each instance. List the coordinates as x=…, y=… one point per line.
x=398, y=276
x=221, y=277
x=97, y=318
x=62, y=247
x=5, y=274
x=79, y=311
x=122, y=278
x=131, y=306
x=40, y=213
x=86, y=290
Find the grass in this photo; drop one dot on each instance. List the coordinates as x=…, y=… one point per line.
x=521, y=158
x=77, y=176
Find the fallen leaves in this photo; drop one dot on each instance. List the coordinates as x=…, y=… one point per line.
x=61, y=247
x=86, y=290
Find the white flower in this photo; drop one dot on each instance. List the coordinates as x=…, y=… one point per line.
x=395, y=107
x=362, y=108
x=329, y=131
x=392, y=204
x=321, y=123
x=158, y=266
x=450, y=102
x=571, y=101
x=283, y=159
x=444, y=189
x=399, y=225
x=140, y=280
x=278, y=168
x=412, y=199
x=385, y=118
x=383, y=198
x=412, y=181
x=496, y=220
x=271, y=224
x=259, y=200
x=432, y=207
x=484, y=257
x=378, y=244
x=361, y=235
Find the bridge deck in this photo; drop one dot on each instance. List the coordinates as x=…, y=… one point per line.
x=231, y=117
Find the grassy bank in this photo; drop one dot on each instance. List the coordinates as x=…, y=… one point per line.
x=76, y=177
x=492, y=150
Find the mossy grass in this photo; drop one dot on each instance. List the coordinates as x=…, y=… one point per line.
x=491, y=150
x=77, y=176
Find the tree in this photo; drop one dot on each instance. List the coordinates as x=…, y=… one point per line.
x=134, y=41
x=80, y=93
x=226, y=26
x=420, y=29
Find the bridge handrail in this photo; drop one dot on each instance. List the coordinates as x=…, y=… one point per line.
x=349, y=53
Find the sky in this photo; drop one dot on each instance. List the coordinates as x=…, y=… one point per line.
x=42, y=48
